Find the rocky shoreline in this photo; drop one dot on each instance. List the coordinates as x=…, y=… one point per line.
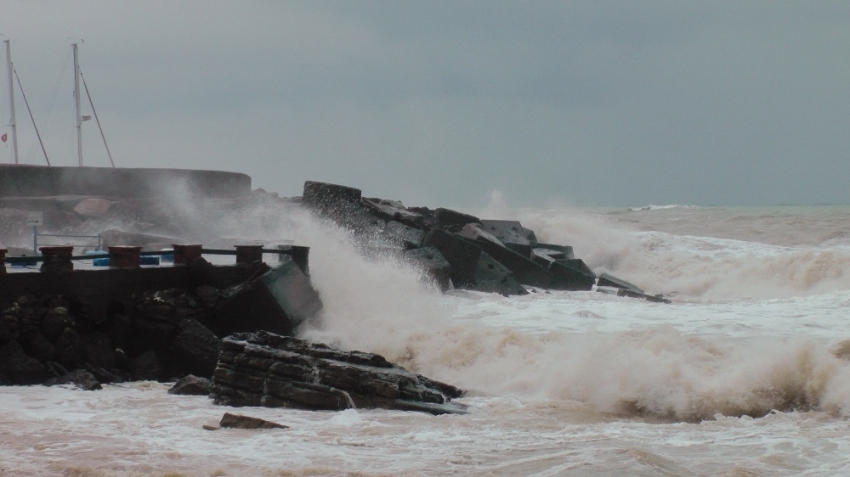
x=235, y=325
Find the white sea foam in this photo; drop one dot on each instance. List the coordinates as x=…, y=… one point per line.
x=577, y=383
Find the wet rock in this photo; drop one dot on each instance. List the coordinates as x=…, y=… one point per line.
x=55, y=322
x=147, y=367
x=448, y=218
x=277, y=301
x=433, y=263
x=20, y=368
x=510, y=231
x=278, y=371
x=237, y=421
x=192, y=386
x=97, y=350
x=40, y=348
x=524, y=269
x=78, y=377
x=565, y=277
x=471, y=267
x=330, y=198
x=404, y=235
x=196, y=348
x=606, y=280
x=391, y=210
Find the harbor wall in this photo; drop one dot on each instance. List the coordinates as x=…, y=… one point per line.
x=43, y=181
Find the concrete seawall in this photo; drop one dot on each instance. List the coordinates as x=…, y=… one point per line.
x=42, y=181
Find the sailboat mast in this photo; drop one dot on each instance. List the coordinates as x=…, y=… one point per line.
x=77, y=100
x=12, y=102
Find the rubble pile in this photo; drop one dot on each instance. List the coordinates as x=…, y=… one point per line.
x=456, y=249
x=265, y=369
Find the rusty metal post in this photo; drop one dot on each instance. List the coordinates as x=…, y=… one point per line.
x=183, y=254
x=125, y=257
x=246, y=254
x=57, y=259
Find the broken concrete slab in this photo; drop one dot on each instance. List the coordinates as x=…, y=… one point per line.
x=430, y=260
x=395, y=211
x=524, y=269
x=404, y=235
x=266, y=369
x=510, y=231
x=565, y=277
x=606, y=280
x=565, y=249
x=277, y=301
x=448, y=217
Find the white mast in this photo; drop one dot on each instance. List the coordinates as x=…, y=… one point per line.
x=12, y=102
x=77, y=99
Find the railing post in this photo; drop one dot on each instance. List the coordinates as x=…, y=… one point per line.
x=183, y=254
x=57, y=259
x=300, y=255
x=2, y=263
x=125, y=257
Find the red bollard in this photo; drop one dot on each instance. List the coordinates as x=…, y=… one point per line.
x=183, y=254
x=125, y=257
x=246, y=254
x=56, y=259
x=2, y=256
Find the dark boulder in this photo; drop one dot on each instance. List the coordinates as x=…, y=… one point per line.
x=20, y=368
x=524, y=269
x=328, y=197
x=237, y=421
x=391, y=210
x=191, y=386
x=565, y=277
x=195, y=348
x=278, y=371
x=98, y=350
x=78, y=377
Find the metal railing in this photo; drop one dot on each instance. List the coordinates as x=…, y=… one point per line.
x=205, y=251
x=36, y=235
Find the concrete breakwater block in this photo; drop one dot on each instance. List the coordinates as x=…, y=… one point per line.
x=266, y=369
x=277, y=301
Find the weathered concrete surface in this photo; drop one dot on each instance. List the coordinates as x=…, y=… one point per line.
x=265, y=369
x=41, y=181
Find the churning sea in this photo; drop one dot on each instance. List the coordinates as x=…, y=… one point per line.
x=745, y=373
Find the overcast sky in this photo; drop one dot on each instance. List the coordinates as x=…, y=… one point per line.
x=442, y=103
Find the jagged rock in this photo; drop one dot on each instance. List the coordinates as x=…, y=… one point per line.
x=433, y=263
x=471, y=267
x=606, y=280
x=448, y=217
x=191, y=385
x=565, y=277
x=404, y=235
x=196, y=348
x=524, y=269
x=510, y=231
x=277, y=301
x=330, y=197
x=565, y=249
x=78, y=377
x=391, y=210
x=237, y=421
x=20, y=368
x=278, y=371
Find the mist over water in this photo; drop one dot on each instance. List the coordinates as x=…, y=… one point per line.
x=567, y=379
